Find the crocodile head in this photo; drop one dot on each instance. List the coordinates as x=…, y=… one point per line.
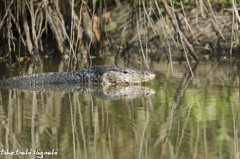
x=127, y=75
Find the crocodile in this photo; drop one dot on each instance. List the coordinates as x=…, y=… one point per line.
x=95, y=75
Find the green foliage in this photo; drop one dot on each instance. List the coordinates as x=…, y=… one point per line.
x=178, y=2
x=110, y=26
x=136, y=2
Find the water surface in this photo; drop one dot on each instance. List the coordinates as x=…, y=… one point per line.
x=182, y=117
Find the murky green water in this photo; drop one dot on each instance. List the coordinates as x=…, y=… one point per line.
x=174, y=116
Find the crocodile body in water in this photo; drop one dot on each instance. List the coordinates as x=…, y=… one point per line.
x=98, y=74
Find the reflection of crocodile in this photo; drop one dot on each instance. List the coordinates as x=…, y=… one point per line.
x=105, y=92
x=99, y=74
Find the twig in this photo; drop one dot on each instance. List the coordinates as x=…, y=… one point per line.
x=165, y=24
x=165, y=37
x=6, y=14
x=140, y=41
x=177, y=25
x=149, y=20
x=235, y=10
x=26, y=30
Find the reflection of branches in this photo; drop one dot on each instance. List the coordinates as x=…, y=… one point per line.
x=96, y=125
x=144, y=133
x=165, y=132
x=82, y=127
x=182, y=88
x=108, y=130
x=235, y=122
x=185, y=125
x=73, y=120
x=33, y=113
x=6, y=127
x=196, y=143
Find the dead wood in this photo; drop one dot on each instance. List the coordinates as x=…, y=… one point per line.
x=178, y=28
x=26, y=30
x=55, y=23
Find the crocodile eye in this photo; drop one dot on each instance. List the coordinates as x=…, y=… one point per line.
x=146, y=73
x=125, y=72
